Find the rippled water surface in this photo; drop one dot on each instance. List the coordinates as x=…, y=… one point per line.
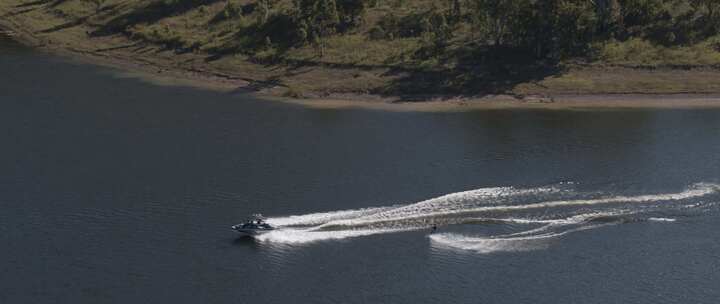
x=113, y=190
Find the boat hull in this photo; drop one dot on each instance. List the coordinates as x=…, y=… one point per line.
x=252, y=232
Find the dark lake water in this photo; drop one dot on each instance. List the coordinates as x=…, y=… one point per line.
x=113, y=190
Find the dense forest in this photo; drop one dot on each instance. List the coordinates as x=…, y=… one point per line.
x=456, y=46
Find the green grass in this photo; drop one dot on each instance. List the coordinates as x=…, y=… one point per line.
x=358, y=50
x=643, y=53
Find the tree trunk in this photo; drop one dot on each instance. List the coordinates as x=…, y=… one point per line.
x=266, y=8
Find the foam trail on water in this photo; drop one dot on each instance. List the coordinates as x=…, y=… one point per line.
x=661, y=219
x=311, y=227
x=414, y=213
x=301, y=236
x=464, y=200
x=495, y=244
x=532, y=239
x=457, y=200
x=558, y=211
x=323, y=217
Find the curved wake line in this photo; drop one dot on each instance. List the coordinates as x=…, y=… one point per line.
x=458, y=200
x=467, y=207
x=506, y=243
x=701, y=190
x=324, y=217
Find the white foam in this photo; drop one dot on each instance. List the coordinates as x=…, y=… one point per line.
x=322, y=217
x=460, y=207
x=300, y=236
x=453, y=201
x=422, y=209
x=661, y=219
x=462, y=200
x=559, y=223
x=312, y=227
x=502, y=243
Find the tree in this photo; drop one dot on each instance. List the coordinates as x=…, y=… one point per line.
x=711, y=13
x=610, y=15
x=498, y=16
x=641, y=13
x=547, y=28
x=320, y=18
x=266, y=6
x=350, y=12
x=436, y=30
x=562, y=27
x=455, y=10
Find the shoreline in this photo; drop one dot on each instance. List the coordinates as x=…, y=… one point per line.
x=154, y=72
x=505, y=102
x=164, y=72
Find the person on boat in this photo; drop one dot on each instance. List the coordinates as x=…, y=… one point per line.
x=434, y=228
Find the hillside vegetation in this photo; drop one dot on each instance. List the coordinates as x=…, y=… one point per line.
x=398, y=47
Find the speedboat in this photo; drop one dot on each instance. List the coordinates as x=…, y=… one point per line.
x=256, y=226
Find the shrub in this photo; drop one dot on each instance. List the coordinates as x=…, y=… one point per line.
x=230, y=11
x=293, y=92
x=413, y=25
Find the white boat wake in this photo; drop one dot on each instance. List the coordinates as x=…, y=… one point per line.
x=533, y=216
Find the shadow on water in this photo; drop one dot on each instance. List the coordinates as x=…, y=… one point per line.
x=8, y=45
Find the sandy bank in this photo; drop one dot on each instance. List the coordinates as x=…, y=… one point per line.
x=498, y=102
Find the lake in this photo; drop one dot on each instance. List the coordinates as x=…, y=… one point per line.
x=114, y=190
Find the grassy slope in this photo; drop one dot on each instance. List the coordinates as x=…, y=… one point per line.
x=198, y=38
